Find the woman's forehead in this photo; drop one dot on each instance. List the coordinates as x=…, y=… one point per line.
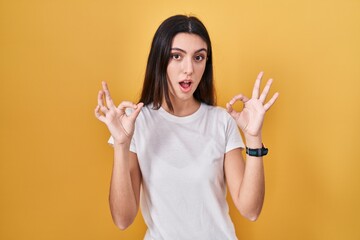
x=189, y=42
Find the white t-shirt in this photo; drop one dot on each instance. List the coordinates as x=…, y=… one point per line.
x=181, y=160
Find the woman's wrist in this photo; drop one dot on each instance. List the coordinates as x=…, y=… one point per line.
x=121, y=145
x=253, y=141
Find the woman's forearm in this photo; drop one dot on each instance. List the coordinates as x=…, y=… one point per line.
x=252, y=188
x=122, y=198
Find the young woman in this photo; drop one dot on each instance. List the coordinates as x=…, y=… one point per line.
x=181, y=150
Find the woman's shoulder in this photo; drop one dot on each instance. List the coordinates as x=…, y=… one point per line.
x=148, y=111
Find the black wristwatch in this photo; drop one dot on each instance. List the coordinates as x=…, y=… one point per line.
x=257, y=152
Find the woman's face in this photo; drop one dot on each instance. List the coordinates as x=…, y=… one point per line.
x=186, y=66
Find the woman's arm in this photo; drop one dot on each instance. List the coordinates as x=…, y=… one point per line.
x=126, y=176
x=246, y=179
x=125, y=187
x=245, y=182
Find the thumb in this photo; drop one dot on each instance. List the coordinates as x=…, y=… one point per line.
x=138, y=108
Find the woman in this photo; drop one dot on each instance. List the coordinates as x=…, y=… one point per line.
x=180, y=149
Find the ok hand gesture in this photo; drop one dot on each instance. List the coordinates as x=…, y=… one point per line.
x=120, y=125
x=251, y=118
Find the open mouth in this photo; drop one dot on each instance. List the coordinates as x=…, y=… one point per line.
x=185, y=85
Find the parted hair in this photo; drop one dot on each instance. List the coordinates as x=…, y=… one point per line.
x=155, y=87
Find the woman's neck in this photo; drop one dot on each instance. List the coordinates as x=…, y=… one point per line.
x=182, y=108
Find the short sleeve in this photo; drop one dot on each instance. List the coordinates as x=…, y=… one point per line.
x=132, y=144
x=111, y=141
x=233, y=137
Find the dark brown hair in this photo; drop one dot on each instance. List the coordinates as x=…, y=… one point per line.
x=155, y=86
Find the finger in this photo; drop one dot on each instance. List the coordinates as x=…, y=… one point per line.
x=229, y=108
x=104, y=109
x=126, y=104
x=109, y=101
x=271, y=101
x=239, y=97
x=100, y=98
x=137, y=110
x=98, y=115
x=256, y=89
x=265, y=91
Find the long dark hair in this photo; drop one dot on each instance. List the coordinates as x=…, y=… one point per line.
x=155, y=86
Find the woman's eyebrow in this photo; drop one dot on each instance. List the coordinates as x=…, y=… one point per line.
x=181, y=50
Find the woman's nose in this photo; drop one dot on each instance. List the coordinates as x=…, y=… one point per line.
x=188, y=66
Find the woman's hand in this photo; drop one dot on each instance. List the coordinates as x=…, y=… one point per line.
x=251, y=118
x=119, y=124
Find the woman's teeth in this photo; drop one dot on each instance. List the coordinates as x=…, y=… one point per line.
x=185, y=84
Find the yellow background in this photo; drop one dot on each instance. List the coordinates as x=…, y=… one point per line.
x=55, y=164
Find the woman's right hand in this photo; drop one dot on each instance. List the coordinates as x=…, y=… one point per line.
x=120, y=125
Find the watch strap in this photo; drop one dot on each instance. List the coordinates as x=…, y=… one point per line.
x=257, y=152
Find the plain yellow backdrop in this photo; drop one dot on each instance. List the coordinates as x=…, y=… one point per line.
x=55, y=164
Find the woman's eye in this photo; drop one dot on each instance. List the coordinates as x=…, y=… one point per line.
x=199, y=58
x=175, y=56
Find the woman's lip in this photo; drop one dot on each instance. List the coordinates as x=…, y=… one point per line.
x=186, y=89
x=186, y=80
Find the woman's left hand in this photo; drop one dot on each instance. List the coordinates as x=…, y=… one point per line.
x=251, y=118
